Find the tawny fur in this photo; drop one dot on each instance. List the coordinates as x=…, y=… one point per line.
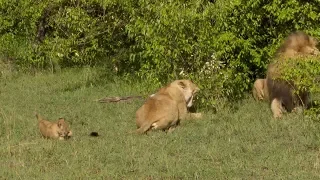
x=297, y=43
x=54, y=130
x=277, y=108
x=260, y=91
x=281, y=93
x=164, y=109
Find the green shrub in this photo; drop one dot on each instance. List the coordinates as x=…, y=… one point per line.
x=303, y=73
x=61, y=32
x=222, y=45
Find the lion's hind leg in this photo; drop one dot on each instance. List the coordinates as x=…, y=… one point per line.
x=144, y=128
x=163, y=125
x=258, y=90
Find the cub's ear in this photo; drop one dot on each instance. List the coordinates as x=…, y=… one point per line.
x=60, y=122
x=182, y=84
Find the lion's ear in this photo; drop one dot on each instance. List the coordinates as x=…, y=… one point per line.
x=182, y=84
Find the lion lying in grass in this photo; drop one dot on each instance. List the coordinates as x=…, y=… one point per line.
x=164, y=109
x=54, y=130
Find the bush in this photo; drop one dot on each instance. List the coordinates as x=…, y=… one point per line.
x=222, y=45
x=62, y=33
x=302, y=73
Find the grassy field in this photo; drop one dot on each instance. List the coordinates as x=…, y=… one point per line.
x=242, y=143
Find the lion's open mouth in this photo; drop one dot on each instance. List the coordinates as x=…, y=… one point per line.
x=189, y=101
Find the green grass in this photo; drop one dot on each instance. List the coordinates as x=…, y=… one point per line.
x=243, y=143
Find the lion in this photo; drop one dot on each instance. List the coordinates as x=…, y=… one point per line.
x=282, y=94
x=260, y=91
x=54, y=130
x=164, y=109
x=297, y=43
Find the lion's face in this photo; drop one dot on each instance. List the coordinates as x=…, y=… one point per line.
x=189, y=90
x=64, y=131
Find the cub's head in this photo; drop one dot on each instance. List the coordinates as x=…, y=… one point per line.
x=189, y=90
x=298, y=43
x=63, y=131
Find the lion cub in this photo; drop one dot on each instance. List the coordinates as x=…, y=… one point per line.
x=54, y=130
x=164, y=109
x=260, y=91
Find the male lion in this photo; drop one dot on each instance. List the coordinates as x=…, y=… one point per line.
x=54, y=130
x=260, y=91
x=164, y=109
x=282, y=94
x=297, y=43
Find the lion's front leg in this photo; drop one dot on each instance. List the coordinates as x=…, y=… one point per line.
x=183, y=111
x=192, y=116
x=185, y=115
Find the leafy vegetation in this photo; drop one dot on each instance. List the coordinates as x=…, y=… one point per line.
x=221, y=45
x=94, y=49
x=303, y=74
